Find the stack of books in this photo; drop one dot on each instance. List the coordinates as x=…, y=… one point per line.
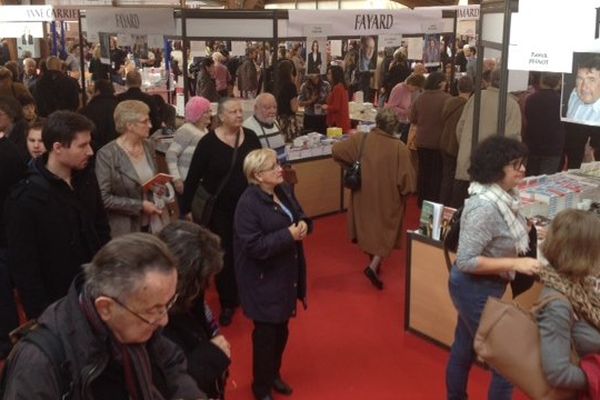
x=435, y=219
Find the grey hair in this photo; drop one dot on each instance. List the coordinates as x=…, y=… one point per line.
x=118, y=269
x=128, y=112
x=199, y=256
x=222, y=102
x=387, y=121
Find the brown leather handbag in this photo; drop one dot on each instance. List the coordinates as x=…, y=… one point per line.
x=508, y=340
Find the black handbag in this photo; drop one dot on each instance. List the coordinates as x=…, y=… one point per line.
x=203, y=202
x=352, y=175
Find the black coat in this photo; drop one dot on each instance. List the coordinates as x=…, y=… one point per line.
x=207, y=363
x=12, y=170
x=94, y=373
x=100, y=110
x=269, y=264
x=55, y=91
x=51, y=231
x=137, y=94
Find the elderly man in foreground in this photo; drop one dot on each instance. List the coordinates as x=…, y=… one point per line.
x=107, y=325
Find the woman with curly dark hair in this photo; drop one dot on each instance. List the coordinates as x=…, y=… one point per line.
x=191, y=323
x=492, y=236
x=286, y=93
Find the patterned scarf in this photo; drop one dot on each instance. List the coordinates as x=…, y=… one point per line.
x=133, y=357
x=581, y=294
x=508, y=204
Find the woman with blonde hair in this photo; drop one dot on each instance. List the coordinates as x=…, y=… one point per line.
x=123, y=166
x=270, y=267
x=572, y=319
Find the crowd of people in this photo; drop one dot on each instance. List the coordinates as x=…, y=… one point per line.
x=111, y=273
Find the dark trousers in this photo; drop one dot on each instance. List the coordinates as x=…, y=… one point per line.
x=448, y=172
x=9, y=319
x=315, y=123
x=430, y=175
x=268, y=344
x=225, y=282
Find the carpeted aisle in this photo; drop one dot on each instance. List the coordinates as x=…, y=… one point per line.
x=350, y=343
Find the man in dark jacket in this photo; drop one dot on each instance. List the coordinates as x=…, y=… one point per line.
x=12, y=169
x=107, y=326
x=133, y=80
x=54, y=90
x=100, y=110
x=55, y=217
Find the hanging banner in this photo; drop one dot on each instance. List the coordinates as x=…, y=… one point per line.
x=581, y=90
x=390, y=41
x=365, y=22
x=136, y=21
x=25, y=32
x=547, y=48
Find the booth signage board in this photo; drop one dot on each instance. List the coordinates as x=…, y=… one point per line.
x=316, y=30
x=560, y=31
x=133, y=21
x=44, y=13
x=25, y=32
x=364, y=22
x=390, y=41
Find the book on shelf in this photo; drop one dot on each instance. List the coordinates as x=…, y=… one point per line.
x=158, y=179
x=447, y=214
x=431, y=219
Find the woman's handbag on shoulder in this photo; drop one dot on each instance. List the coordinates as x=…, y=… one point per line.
x=509, y=341
x=203, y=202
x=352, y=175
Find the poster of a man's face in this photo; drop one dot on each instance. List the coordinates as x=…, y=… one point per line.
x=581, y=90
x=367, y=53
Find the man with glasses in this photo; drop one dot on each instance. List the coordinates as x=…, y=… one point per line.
x=108, y=325
x=55, y=218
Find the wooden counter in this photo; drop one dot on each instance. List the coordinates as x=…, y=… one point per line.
x=429, y=311
x=319, y=187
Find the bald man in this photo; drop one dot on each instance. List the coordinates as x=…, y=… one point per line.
x=265, y=125
x=133, y=81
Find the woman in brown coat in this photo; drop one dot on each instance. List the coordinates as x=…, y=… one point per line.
x=377, y=208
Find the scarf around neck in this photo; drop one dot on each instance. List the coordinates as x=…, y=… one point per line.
x=133, y=358
x=581, y=294
x=508, y=204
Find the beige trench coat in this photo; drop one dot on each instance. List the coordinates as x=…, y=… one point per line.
x=377, y=210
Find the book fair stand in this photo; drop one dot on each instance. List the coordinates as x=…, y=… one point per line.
x=504, y=33
x=319, y=186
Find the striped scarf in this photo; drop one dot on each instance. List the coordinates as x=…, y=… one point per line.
x=581, y=294
x=508, y=204
x=133, y=357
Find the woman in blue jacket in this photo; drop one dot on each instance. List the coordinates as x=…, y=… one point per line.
x=269, y=263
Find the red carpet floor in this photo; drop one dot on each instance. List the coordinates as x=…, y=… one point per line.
x=350, y=343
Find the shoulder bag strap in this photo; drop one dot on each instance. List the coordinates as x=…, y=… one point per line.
x=228, y=174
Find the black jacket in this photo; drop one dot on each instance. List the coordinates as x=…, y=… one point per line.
x=207, y=363
x=51, y=231
x=100, y=110
x=88, y=357
x=137, y=94
x=55, y=91
x=12, y=170
x=269, y=264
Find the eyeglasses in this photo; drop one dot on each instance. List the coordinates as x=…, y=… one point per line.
x=160, y=316
x=518, y=163
x=275, y=167
x=144, y=121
